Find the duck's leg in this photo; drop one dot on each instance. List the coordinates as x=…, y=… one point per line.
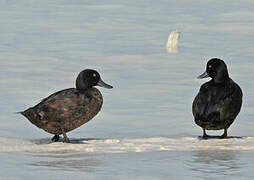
x=205, y=136
x=225, y=134
x=55, y=138
x=66, y=139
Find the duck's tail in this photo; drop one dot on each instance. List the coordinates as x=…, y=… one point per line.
x=19, y=112
x=28, y=114
x=31, y=115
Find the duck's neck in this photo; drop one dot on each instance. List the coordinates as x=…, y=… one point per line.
x=221, y=77
x=81, y=83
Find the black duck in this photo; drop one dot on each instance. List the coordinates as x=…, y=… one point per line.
x=218, y=101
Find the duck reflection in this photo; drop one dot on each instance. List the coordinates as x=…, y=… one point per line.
x=210, y=164
x=66, y=161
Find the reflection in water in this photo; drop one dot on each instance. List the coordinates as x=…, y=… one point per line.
x=211, y=164
x=73, y=140
x=66, y=161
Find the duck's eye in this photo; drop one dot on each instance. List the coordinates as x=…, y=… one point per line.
x=94, y=75
x=210, y=66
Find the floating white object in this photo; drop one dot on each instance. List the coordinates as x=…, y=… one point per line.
x=172, y=43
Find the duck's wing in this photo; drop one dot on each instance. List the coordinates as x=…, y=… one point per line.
x=65, y=104
x=232, y=103
x=211, y=106
x=48, y=105
x=195, y=109
x=208, y=103
x=58, y=95
x=68, y=108
x=49, y=109
x=200, y=103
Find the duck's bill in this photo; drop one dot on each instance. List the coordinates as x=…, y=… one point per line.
x=204, y=75
x=103, y=84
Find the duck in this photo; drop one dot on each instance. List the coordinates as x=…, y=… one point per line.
x=68, y=109
x=218, y=101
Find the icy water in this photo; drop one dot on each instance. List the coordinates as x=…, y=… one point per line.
x=145, y=129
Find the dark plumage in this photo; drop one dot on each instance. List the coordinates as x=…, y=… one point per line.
x=68, y=109
x=218, y=101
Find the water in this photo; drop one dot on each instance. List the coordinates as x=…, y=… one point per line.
x=145, y=129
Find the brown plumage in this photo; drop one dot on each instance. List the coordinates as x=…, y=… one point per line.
x=68, y=109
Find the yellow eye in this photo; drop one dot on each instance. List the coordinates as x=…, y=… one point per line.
x=94, y=75
x=210, y=66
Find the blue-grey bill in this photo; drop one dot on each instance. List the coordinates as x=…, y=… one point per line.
x=103, y=84
x=204, y=75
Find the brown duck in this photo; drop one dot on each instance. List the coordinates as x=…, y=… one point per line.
x=70, y=108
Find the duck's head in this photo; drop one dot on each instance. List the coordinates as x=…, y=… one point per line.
x=89, y=78
x=217, y=70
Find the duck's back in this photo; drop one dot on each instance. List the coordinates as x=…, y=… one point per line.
x=67, y=109
x=217, y=105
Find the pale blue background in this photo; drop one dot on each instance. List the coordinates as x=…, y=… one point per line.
x=44, y=44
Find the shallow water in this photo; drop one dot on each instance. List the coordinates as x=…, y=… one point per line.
x=145, y=129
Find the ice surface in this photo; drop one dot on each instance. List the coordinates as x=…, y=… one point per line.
x=126, y=145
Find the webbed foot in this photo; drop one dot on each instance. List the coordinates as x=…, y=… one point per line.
x=205, y=136
x=55, y=138
x=225, y=134
x=66, y=139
